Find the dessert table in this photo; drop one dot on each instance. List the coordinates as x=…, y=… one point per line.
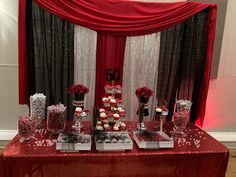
x=196, y=155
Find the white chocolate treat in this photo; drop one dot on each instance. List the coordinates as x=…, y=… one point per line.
x=115, y=127
x=101, y=110
x=105, y=99
x=106, y=126
x=158, y=110
x=120, y=140
x=109, y=97
x=107, y=140
x=99, y=123
x=116, y=115
x=120, y=109
x=78, y=109
x=122, y=124
x=99, y=127
x=112, y=100
x=114, y=140
x=103, y=114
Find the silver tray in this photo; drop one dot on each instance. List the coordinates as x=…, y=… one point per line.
x=162, y=140
x=103, y=145
x=65, y=144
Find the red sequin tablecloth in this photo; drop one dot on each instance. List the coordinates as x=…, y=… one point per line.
x=197, y=155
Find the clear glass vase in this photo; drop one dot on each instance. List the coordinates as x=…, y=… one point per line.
x=26, y=128
x=56, y=121
x=181, y=116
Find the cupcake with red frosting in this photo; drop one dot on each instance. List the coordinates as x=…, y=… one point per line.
x=116, y=117
x=103, y=117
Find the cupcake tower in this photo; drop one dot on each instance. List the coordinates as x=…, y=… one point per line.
x=112, y=114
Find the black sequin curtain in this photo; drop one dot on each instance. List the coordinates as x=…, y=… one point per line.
x=51, y=55
x=181, y=62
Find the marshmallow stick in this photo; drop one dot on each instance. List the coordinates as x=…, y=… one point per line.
x=161, y=125
x=112, y=94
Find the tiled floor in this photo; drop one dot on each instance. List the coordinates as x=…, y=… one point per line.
x=231, y=170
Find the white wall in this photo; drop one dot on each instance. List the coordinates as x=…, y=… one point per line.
x=221, y=103
x=9, y=108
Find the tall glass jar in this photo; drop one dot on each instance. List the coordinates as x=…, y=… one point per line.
x=56, y=118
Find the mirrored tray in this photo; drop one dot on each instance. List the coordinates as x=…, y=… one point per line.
x=113, y=141
x=153, y=140
x=71, y=142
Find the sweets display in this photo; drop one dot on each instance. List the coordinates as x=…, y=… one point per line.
x=56, y=119
x=111, y=118
x=26, y=127
x=111, y=114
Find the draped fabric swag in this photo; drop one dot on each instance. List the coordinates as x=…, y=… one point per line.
x=85, y=47
x=140, y=69
x=118, y=19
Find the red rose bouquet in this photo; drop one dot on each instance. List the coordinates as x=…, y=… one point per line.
x=78, y=92
x=78, y=89
x=143, y=94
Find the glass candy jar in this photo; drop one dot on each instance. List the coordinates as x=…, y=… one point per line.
x=26, y=128
x=56, y=118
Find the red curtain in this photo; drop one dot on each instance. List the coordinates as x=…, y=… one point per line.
x=123, y=18
x=109, y=63
x=22, y=55
x=207, y=71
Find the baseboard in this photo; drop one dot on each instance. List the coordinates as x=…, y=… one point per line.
x=226, y=138
x=6, y=136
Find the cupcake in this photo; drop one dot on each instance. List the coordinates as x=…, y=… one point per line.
x=116, y=127
x=78, y=109
x=113, y=102
x=99, y=127
x=101, y=110
x=158, y=110
x=122, y=124
x=116, y=117
x=106, y=126
x=105, y=102
x=103, y=116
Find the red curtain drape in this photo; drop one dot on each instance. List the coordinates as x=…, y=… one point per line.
x=22, y=55
x=207, y=71
x=123, y=18
x=110, y=61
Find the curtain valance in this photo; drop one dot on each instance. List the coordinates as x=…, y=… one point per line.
x=123, y=17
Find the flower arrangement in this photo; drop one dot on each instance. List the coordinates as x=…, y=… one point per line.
x=143, y=92
x=78, y=89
